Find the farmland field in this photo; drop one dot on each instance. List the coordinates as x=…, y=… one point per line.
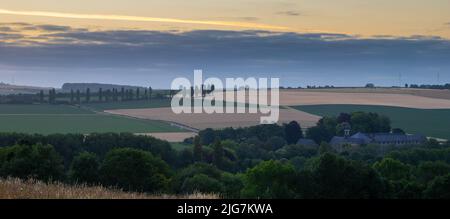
x=41, y=109
x=300, y=97
x=47, y=119
x=136, y=104
x=430, y=122
x=410, y=98
x=431, y=93
x=223, y=120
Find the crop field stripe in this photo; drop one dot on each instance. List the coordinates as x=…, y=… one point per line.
x=43, y=114
x=41, y=109
x=155, y=103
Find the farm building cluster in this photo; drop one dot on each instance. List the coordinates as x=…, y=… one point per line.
x=358, y=139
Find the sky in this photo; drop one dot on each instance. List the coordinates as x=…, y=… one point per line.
x=304, y=42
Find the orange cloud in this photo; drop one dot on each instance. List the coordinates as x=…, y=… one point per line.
x=142, y=19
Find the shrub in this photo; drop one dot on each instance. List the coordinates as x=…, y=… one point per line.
x=84, y=168
x=36, y=161
x=270, y=179
x=439, y=188
x=134, y=170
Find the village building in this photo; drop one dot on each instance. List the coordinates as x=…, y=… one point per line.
x=358, y=139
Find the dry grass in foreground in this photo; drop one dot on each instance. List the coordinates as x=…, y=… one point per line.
x=31, y=189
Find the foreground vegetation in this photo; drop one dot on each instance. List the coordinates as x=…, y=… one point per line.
x=257, y=162
x=13, y=188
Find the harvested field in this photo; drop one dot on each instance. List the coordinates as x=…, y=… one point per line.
x=204, y=120
x=432, y=93
x=314, y=97
x=171, y=136
x=383, y=99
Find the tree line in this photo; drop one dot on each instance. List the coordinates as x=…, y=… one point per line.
x=109, y=95
x=325, y=129
x=77, y=96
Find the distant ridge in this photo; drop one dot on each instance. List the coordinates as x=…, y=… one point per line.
x=95, y=86
x=6, y=89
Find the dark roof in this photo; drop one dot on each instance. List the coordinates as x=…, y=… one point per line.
x=383, y=138
x=362, y=136
x=336, y=140
x=306, y=142
x=388, y=137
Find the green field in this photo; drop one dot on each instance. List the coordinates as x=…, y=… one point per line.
x=432, y=123
x=136, y=104
x=47, y=119
x=41, y=109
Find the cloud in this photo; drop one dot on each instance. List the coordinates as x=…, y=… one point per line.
x=127, y=47
x=7, y=36
x=249, y=18
x=15, y=24
x=6, y=29
x=244, y=18
x=142, y=19
x=291, y=55
x=50, y=28
x=289, y=13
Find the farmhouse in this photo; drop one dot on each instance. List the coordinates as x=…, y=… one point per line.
x=377, y=138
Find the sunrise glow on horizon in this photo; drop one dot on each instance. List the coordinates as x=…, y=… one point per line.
x=374, y=18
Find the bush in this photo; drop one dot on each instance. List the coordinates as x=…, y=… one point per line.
x=201, y=183
x=274, y=143
x=293, y=132
x=134, y=170
x=84, y=169
x=336, y=177
x=36, y=161
x=439, y=188
x=392, y=169
x=270, y=179
x=427, y=171
x=232, y=185
x=192, y=170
